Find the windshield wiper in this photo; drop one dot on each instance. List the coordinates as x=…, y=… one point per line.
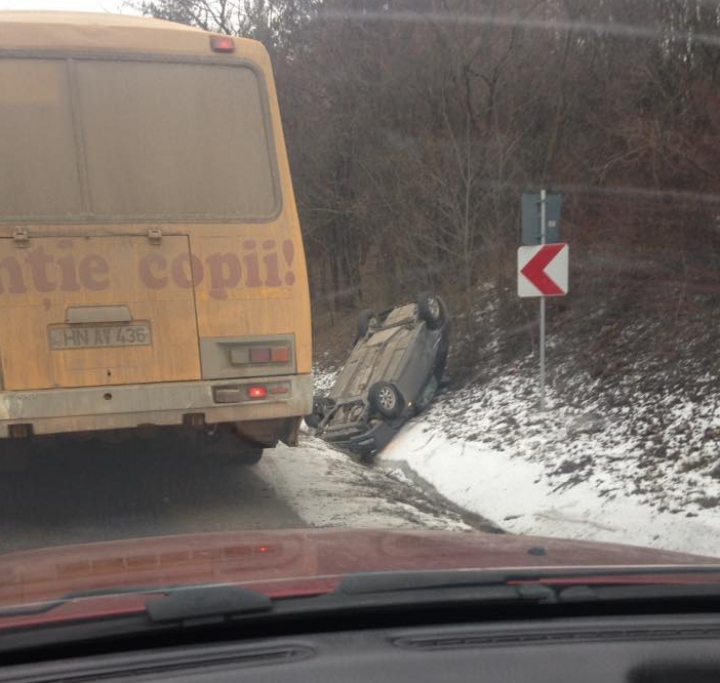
x=396, y=588
x=365, y=593
x=361, y=598
x=208, y=602
x=42, y=607
x=444, y=587
x=356, y=593
x=622, y=586
x=174, y=602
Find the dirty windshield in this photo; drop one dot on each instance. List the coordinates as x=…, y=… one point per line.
x=409, y=284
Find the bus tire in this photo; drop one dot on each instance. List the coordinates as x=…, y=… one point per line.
x=250, y=456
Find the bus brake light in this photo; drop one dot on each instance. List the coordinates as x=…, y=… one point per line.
x=222, y=44
x=257, y=393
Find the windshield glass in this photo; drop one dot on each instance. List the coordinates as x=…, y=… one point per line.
x=296, y=289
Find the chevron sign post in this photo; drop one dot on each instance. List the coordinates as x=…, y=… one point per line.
x=543, y=268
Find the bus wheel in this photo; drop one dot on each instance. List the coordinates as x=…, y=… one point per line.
x=249, y=456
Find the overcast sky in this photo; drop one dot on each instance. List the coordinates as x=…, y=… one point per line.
x=68, y=5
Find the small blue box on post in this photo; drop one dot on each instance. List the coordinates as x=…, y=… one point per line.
x=531, y=218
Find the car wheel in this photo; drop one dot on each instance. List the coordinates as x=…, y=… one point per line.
x=313, y=420
x=386, y=400
x=367, y=320
x=321, y=406
x=431, y=310
x=368, y=457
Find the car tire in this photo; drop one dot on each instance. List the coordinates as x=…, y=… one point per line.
x=431, y=309
x=368, y=457
x=386, y=400
x=321, y=406
x=366, y=320
x=313, y=420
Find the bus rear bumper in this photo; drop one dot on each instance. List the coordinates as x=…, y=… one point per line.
x=63, y=411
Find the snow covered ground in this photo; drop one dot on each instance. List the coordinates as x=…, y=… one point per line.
x=646, y=472
x=327, y=488
x=631, y=455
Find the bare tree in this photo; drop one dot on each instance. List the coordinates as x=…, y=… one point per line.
x=414, y=126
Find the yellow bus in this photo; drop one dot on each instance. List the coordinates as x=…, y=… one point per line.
x=151, y=262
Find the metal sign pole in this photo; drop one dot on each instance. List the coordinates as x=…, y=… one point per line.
x=543, y=222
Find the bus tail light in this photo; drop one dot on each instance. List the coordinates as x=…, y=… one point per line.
x=277, y=355
x=223, y=44
x=257, y=393
x=260, y=354
x=281, y=354
x=243, y=358
x=248, y=393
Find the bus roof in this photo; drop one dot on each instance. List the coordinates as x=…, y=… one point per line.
x=88, y=19
x=98, y=32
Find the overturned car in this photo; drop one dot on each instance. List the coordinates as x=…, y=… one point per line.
x=393, y=372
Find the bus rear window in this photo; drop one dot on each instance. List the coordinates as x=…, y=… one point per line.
x=175, y=139
x=39, y=172
x=159, y=140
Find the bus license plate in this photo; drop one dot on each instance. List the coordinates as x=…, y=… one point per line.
x=100, y=336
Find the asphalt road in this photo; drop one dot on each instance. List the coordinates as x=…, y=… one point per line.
x=96, y=491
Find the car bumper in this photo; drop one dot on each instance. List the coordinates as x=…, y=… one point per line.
x=57, y=411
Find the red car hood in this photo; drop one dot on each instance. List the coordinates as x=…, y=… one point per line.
x=292, y=562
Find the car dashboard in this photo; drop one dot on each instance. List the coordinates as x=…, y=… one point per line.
x=646, y=649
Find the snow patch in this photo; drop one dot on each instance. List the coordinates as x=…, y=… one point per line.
x=643, y=472
x=323, y=379
x=327, y=488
